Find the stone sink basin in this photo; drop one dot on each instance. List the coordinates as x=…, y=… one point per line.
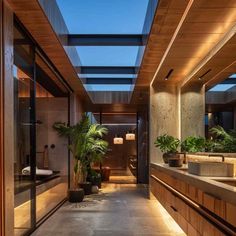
x=211, y=168
x=231, y=182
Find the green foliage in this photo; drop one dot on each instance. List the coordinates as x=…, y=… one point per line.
x=193, y=144
x=167, y=143
x=86, y=142
x=223, y=141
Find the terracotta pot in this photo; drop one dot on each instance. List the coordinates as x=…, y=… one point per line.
x=76, y=195
x=106, y=171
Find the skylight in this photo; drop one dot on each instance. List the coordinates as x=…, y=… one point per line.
x=104, y=16
x=131, y=76
x=222, y=87
x=108, y=87
x=233, y=76
x=106, y=39
x=107, y=55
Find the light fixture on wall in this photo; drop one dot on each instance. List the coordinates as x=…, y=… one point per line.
x=130, y=136
x=118, y=140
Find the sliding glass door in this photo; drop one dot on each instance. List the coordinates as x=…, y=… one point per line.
x=41, y=156
x=24, y=164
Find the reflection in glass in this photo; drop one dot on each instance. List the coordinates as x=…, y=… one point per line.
x=41, y=157
x=24, y=126
x=51, y=161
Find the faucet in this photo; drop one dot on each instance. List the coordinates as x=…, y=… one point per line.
x=217, y=155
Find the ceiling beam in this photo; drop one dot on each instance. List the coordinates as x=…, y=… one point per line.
x=229, y=81
x=106, y=40
x=106, y=69
x=109, y=81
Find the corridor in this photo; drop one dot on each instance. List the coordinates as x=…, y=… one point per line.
x=118, y=210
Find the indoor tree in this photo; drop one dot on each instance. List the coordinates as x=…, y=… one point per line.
x=86, y=144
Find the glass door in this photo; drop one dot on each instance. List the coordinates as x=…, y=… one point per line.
x=24, y=163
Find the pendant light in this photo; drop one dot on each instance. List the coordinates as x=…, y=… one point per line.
x=130, y=136
x=118, y=140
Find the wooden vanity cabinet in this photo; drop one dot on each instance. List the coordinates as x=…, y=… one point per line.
x=179, y=198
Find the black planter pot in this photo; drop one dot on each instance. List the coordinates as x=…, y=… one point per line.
x=96, y=181
x=168, y=155
x=76, y=195
x=87, y=187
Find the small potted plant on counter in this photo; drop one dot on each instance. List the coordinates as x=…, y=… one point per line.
x=169, y=146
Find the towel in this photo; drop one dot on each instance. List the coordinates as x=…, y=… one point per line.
x=26, y=171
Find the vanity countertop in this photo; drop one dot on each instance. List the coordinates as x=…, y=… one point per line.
x=210, y=185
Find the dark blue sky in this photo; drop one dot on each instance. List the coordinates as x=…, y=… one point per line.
x=104, y=16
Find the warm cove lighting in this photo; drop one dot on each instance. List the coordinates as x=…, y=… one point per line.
x=130, y=136
x=118, y=140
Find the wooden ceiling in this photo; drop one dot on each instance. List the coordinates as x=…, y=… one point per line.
x=183, y=36
x=36, y=22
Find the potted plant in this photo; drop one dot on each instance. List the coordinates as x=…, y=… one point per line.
x=168, y=145
x=84, y=143
x=222, y=141
x=95, y=178
x=193, y=144
x=93, y=149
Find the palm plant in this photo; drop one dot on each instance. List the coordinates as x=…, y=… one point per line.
x=86, y=144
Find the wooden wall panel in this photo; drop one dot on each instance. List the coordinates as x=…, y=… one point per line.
x=1, y=131
x=8, y=118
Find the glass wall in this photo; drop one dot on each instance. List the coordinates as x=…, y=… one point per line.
x=41, y=157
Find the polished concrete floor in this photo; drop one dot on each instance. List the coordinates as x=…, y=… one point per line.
x=118, y=210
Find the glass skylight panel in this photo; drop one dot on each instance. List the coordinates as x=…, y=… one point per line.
x=104, y=16
x=233, y=76
x=102, y=76
x=107, y=55
x=108, y=87
x=221, y=87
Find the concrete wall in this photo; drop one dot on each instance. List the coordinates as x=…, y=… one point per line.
x=177, y=112
x=192, y=111
x=164, y=115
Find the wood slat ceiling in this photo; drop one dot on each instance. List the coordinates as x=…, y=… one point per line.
x=204, y=26
x=222, y=65
x=33, y=18
x=167, y=17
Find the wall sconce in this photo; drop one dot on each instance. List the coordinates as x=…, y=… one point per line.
x=118, y=140
x=130, y=136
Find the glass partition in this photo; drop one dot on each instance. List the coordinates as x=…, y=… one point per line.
x=41, y=157
x=24, y=163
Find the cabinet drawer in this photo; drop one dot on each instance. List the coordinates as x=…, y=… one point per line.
x=215, y=205
x=231, y=214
